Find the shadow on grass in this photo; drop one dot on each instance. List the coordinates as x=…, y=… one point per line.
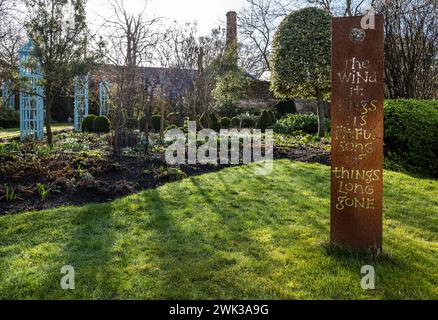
x=89, y=251
x=220, y=237
x=203, y=263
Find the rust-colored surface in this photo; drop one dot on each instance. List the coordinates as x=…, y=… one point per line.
x=357, y=134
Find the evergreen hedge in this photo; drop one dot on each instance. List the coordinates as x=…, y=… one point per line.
x=411, y=136
x=87, y=123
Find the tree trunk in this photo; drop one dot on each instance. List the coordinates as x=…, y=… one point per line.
x=320, y=114
x=47, y=119
x=162, y=123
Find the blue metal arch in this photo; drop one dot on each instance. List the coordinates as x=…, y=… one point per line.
x=104, y=87
x=31, y=94
x=81, y=100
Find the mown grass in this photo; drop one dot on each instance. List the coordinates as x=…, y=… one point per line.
x=15, y=132
x=225, y=235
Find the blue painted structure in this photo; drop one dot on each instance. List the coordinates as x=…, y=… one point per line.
x=8, y=97
x=104, y=87
x=81, y=100
x=31, y=94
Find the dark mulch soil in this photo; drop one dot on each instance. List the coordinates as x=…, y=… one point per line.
x=303, y=154
x=105, y=178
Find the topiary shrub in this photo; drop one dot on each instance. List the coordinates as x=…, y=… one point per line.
x=301, y=58
x=411, y=136
x=247, y=123
x=156, y=122
x=265, y=121
x=285, y=107
x=248, y=120
x=87, y=123
x=101, y=125
x=142, y=124
x=225, y=123
x=235, y=122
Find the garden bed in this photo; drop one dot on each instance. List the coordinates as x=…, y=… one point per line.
x=80, y=169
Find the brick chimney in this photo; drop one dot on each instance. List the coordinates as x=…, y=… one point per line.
x=231, y=42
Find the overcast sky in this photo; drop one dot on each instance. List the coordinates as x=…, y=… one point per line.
x=208, y=13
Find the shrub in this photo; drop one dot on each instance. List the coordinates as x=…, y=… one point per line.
x=235, y=122
x=411, y=136
x=307, y=123
x=101, y=125
x=247, y=123
x=227, y=108
x=271, y=116
x=156, y=122
x=9, y=119
x=87, y=123
x=248, y=120
x=132, y=123
x=285, y=107
x=225, y=123
x=215, y=125
x=300, y=61
x=301, y=57
x=265, y=121
x=142, y=124
x=231, y=87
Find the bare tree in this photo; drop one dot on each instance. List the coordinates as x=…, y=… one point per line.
x=6, y=7
x=343, y=7
x=132, y=39
x=10, y=43
x=11, y=37
x=178, y=46
x=209, y=68
x=411, y=37
x=193, y=60
x=411, y=48
x=257, y=22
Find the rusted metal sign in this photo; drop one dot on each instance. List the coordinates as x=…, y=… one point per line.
x=357, y=134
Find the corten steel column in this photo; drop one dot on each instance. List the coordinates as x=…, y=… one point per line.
x=357, y=134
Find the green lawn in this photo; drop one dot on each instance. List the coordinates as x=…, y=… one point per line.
x=223, y=235
x=15, y=132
